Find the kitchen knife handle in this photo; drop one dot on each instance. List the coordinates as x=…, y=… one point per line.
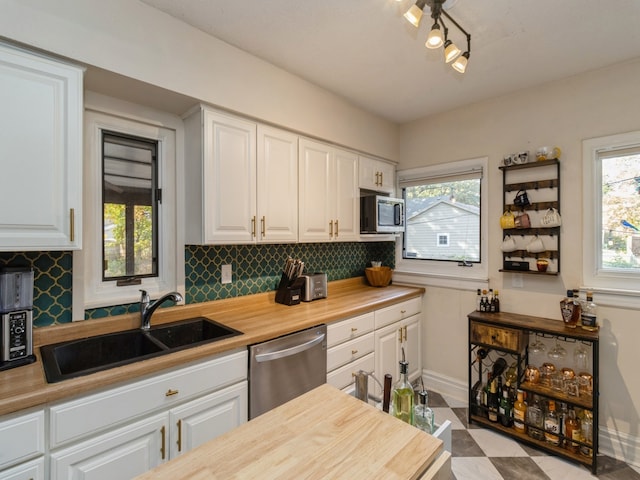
x=386, y=396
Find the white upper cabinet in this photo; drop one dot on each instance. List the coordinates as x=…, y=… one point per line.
x=329, y=196
x=277, y=179
x=241, y=181
x=376, y=175
x=40, y=152
x=220, y=173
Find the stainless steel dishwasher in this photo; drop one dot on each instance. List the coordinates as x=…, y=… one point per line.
x=286, y=367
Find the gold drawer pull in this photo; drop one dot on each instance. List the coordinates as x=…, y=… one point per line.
x=171, y=393
x=353, y=352
x=163, y=435
x=403, y=311
x=72, y=224
x=354, y=329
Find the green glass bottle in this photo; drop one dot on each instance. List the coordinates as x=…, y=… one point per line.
x=403, y=394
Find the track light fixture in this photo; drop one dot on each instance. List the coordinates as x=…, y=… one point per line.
x=435, y=39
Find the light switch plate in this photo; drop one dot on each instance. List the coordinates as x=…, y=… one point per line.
x=226, y=274
x=517, y=280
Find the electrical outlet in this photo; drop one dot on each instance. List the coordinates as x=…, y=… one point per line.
x=226, y=274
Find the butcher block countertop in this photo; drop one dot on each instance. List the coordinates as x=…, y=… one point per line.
x=322, y=434
x=258, y=316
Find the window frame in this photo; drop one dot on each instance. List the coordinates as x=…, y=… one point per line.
x=447, y=273
x=90, y=291
x=613, y=287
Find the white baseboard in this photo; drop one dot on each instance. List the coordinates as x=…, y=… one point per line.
x=621, y=446
x=447, y=386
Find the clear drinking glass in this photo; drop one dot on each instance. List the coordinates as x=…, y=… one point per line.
x=581, y=358
x=537, y=346
x=557, y=353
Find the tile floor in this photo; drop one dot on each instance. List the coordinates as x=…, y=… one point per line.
x=482, y=454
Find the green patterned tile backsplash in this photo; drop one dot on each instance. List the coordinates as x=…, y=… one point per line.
x=51, y=283
x=256, y=269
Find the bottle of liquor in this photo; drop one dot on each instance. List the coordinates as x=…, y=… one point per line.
x=496, y=302
x=572, y=431
x=589, y=317
x=552, y=425
x=535, y=419
x=486, y=394
x=478, y=299
x=403, y=394
x=423, y=415
x=484, y=304
x=492, y=305
x=587, y=433
x=505, y=410
x=493, y=401
x=570, y=310
x=519, y=413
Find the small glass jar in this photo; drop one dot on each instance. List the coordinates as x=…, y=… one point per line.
x=546, y=370
x=556, y=381
x=532, y=374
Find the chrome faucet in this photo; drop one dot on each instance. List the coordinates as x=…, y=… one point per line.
x=147, y=307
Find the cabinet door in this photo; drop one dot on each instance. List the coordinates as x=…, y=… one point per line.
x=21, y=438
x=277, y=183
x=208, y=417
x=317, y=200
x=376, y=175
x=229, y=179
x=33, y=470
x=124, y=453
x=40, y=153
x=347, y=195
x=387, y=354
x=411, y=333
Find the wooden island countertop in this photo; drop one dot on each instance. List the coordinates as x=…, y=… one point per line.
x=258, y=316
x=323, y=434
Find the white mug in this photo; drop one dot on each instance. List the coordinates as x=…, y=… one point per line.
x=508, y=245
x=535, y=245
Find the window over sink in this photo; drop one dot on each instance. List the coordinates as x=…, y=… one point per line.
x=132, y=239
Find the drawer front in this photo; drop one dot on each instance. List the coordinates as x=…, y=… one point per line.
x=344, y=330
x=349, y=351
x=499, y=337
x=344, y=376
x=388, y=315
x=93, y=413
x=33, y=470
x=21, y=438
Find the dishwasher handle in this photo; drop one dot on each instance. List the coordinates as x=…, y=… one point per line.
x=287, y=352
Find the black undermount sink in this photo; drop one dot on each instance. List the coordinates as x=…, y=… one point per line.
x=75, y=358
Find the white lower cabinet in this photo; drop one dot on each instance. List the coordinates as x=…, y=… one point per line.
x=22, y=441
x=33, y=470
x=124, y=453
x=134, y=449
x=124, y=431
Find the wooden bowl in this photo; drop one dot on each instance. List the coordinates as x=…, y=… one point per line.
x=378, y=276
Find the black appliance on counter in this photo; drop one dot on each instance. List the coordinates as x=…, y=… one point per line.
x=16, y=317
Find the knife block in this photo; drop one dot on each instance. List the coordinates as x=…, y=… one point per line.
x=289, y=292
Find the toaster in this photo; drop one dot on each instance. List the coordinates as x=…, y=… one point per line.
x=315, y=286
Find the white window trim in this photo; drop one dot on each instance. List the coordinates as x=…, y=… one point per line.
x=441, y=245
x=104, y=113
x=614, y=289
x=448, y=274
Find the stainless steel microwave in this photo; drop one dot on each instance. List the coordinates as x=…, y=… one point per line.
x=380, y=214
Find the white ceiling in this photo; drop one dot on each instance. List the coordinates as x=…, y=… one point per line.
x=366, y=52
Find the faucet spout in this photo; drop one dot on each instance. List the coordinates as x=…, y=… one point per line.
x=147, y=307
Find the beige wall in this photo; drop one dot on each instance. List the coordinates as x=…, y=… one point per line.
x=132, y=39
x=562, y=113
